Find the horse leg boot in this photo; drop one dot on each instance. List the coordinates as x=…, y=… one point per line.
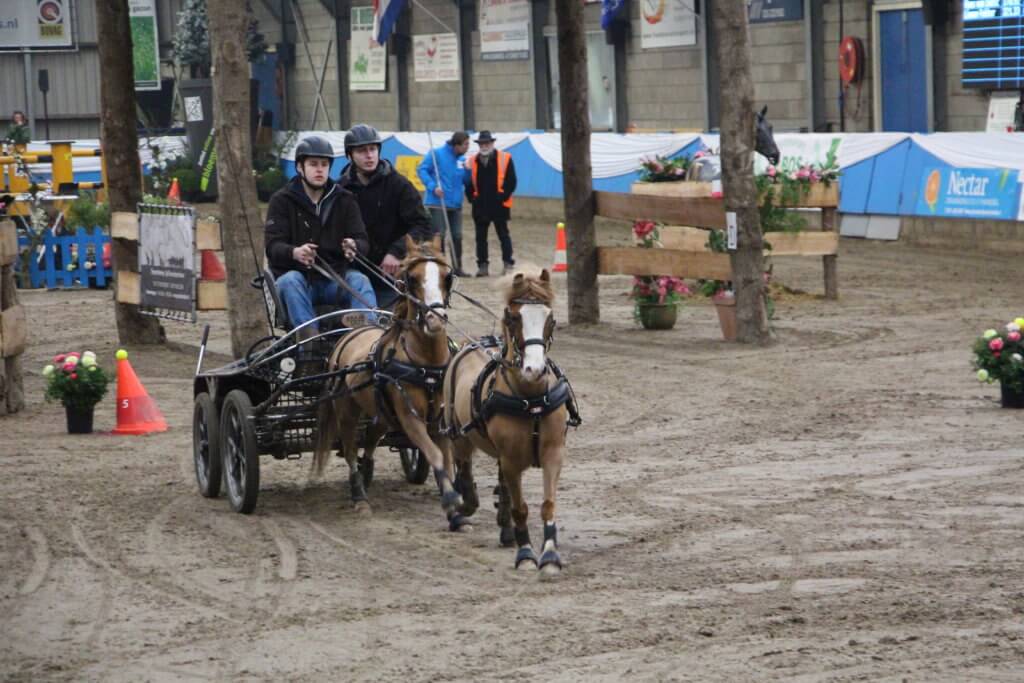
x=526, y=559
x=451, y=500
x=355, y=477
x=504, y=518
x=465, y=485
x=550, y=561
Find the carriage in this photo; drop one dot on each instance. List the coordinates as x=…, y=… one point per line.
x=266, y=403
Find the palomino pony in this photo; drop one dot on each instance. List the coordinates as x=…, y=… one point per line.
x=394, y=377
x=709, y=166
x=516, y=407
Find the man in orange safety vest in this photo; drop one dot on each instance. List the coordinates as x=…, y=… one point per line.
x=490, y=182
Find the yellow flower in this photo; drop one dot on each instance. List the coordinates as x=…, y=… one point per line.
x=47, y=371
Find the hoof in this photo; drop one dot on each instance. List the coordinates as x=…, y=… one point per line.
x=526, y=560
x=507, y=537
x=550, y=571
x=451, y=500
x=550, y=562
x=363, y=508
x=458, y=522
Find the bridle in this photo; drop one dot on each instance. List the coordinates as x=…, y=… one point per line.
x=404, y=287
x=514, y=341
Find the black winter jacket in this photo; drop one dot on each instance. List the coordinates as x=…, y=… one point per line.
x=391, y=207
x=293, y=220
x=487, y=206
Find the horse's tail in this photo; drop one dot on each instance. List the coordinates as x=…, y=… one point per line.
x=326, y=431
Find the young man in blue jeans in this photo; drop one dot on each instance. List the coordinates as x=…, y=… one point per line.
x=450, y=171
x=312, y=217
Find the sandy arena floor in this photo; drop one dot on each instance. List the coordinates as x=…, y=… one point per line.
x=845, y=505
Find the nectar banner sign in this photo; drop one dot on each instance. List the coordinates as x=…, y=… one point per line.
x=969, y=193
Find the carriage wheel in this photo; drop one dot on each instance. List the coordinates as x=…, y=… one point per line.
x=366, y=469
x=239, y=450
x=414, y=465
x=206, y=445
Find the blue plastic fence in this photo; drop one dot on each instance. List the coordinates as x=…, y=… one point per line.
x=50, y=269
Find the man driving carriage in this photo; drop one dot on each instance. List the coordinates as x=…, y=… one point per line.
x=310, y=219
x=391, y=205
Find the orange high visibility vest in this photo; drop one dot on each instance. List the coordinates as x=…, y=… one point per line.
x=502, y=158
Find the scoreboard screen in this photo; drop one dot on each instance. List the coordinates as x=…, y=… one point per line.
x=993, y=44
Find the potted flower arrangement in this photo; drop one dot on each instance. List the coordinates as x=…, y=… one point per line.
x=789, y=184
x=663, y=169
x=999, y=356
x=78, y=382
x=655, y=297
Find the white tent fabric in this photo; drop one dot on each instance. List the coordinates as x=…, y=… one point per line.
x=612, y=154
x=813, y=147
x=976, y=150
x=420, y=142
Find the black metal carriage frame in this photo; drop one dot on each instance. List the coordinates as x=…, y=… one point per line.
x=266, y=404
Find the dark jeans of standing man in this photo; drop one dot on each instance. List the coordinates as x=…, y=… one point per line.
x=455, y=224
x=500, y=227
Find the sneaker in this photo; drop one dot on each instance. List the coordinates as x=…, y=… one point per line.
x=482, y=271
x=508, y=268
x=459, y=272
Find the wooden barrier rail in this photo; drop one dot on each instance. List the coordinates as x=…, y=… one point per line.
x=684, y=252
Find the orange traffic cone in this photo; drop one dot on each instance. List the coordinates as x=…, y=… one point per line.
x=212, y=268
x=136, y=411
x=174, y=194
x=561, y=261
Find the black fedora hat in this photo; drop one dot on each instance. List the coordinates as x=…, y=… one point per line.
x=485, y=136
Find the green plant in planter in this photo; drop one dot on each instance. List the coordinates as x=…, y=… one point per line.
x=715, y=289
x=85, y=212
x=270, y=180
x=75, y=380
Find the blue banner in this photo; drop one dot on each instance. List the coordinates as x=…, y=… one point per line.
x=969, y=193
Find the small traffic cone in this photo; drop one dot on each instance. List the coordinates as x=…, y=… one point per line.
x=211, y=267
x=561, y=258
x=136, y=411
x=174, y=194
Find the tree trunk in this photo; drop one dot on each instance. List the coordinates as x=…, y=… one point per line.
x=12, y=387
x=729, y=20
x=241, y=226
x=121, y=155
x=577, y=183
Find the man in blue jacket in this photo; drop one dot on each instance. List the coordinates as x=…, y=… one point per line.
x=450, y=170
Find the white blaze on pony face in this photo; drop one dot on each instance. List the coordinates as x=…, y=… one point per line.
x=535, y=317
x=433, y=295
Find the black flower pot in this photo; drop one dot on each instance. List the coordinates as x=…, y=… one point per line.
x=79, y=419
x=1011, y=398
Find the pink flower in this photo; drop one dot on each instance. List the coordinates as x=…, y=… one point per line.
x=996, y=354
x=996, y=344
x=699, y=154
x=680, y=171
x=803, y=174
x=68, y=367
x=815, y=177
x=59, y=358
x=771, y=171
x=76, y=354
x=657, y=167
x=74, y=375
x=1013, y=336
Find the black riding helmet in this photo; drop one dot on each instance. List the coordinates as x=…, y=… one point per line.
x=360, y=136
x=313, y=146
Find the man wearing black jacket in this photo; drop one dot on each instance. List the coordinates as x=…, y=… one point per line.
x=311, y=219
x=391, y=205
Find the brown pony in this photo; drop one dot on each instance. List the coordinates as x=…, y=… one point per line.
x=394, y=377
x=514, y=405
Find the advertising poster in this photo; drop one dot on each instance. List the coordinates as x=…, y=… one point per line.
x=367, y=61
x=504, y=29
x=969, y=193
x=145, y=45
x=436, y=57
x=35, y=24
x=667, y=23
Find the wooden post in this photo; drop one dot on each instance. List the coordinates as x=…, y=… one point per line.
x=577, y=180
x=12, y=388
x=828, y=224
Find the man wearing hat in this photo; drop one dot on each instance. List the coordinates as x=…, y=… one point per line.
x=490, y=182
x=444, y=182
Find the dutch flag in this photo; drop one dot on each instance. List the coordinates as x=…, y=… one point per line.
x=385, y=14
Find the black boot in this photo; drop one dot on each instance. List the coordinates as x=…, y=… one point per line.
x=457, y=248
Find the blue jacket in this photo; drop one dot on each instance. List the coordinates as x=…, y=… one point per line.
x=452, y=177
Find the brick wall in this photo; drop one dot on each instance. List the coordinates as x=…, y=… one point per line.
x=434, y=105
x=778, y=66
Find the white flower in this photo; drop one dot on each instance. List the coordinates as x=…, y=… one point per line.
x=1012, y=327
x=1017, y=358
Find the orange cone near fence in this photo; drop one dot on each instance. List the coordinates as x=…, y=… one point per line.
x=211, y=267
x=136, y=411
x=174, y=194
x=561, y=257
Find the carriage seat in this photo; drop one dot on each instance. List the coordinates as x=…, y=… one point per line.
x=279, y=313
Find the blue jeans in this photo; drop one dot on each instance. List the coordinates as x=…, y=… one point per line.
x=300, y=294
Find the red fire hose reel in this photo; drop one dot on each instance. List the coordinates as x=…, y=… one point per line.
x=851, y=60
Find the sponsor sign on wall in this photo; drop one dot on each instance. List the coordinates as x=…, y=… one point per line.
x=667, y=23
x=367, y=61
x=969, y=193
x=436, y=57
x=504, y=29
x=35, y=24
x=145, y=44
